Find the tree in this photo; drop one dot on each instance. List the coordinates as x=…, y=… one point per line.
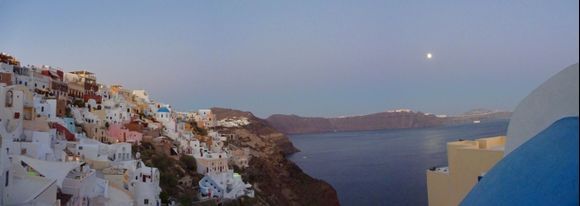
x=188, y=162
x=79, y=103
x=164, y=197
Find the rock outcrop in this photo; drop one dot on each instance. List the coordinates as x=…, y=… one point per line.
x=276, y=180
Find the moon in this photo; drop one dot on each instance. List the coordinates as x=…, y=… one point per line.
x=429, y=56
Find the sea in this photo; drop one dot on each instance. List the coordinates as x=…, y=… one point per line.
x=383, y=167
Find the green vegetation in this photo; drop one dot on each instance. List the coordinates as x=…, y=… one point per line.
x=188, y=162
x=79, y=103
x=185, y=200
x=68, y=112
x=171, y=171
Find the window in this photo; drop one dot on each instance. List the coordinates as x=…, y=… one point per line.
x=146, y=201
x=6, y=181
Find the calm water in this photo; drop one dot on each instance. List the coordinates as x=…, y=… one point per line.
x=385, y=167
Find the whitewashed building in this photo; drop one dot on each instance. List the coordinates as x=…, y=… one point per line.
x=227, y=185
x=44, y=107
x=141, y=95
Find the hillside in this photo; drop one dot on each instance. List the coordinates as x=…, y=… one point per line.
x=293, y=124
x=277, y=180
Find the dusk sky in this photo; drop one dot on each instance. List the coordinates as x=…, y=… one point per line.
x=311, y=58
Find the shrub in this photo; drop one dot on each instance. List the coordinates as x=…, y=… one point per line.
x=164, y=197
x=79, y=103
x=188, y=162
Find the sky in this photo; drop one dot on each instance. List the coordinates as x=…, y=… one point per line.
x=310, y=58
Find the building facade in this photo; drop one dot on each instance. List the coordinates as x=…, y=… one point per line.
x=468, y=160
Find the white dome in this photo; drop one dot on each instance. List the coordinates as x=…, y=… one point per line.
x=553, y=100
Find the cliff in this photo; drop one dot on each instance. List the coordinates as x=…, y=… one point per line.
x=293, y=124
x=276, y=180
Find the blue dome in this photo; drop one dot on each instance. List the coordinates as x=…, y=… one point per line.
x=542, y=171
x=163, y=109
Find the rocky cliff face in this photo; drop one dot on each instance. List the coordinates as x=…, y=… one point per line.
x=292, y=124
x=276, y=180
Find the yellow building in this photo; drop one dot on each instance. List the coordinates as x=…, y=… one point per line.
x=468, y=160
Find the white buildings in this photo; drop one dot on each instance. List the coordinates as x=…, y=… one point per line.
x=26, y=180
x=145, y=184
x=141, y=95
x=104, y=92
x=214, y=160
x=205, y=118
x=83, y=115
x=131, y=176
x=165, y=117
x=117, y=110
x=217, y=141
x=11, y=106
x=153, y=107
x=44, y=107
x=137, y=180
x=118, y=115
x=32, y=78
x=93, y=105
x=228, y=185
x=36, y=140
x=211, y=162
x=47, y=158
x=233, y=122
x=22, y=188
x=220, y=181
x=163, y=114
x=98, y=154
x=189, y=146
x=75, y=179
x=39, y=167
x=400, y=110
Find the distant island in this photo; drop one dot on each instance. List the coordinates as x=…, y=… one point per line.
x=392, y=119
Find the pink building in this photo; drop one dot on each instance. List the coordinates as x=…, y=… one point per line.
x=119, y=133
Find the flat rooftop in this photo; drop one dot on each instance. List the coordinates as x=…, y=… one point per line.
x=26, y=189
